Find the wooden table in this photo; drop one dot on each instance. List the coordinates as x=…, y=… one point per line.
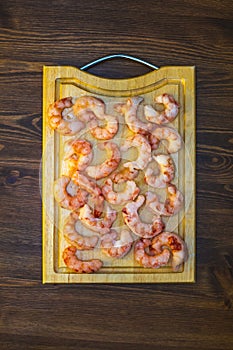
x=168, y=316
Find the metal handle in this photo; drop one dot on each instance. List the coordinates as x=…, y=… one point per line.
x=119, y=55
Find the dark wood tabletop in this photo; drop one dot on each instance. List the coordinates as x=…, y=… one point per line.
x=123, y=316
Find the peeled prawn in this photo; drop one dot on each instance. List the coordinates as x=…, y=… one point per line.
x=89, y=105
x=106, y=132
x=150, y=260
x=108, y=166
x=116, y=248
x=132, y=220
x=166, y=172
x=170, y=135
x=78, y=155
x=144, y=152
x=124, y=175
x=74, y=263
x=176, y=245
x=172, y=205
x=169, y=113
x=69, y=195
x=62, y=119
x=100, y=225
x=91, y=187
x=85, y=106
x=129, y=110
x=120, y=198
x=76, y=239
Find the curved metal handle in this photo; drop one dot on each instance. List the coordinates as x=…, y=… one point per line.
x=119, y=55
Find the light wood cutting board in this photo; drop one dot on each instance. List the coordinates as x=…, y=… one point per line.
x=59, y=82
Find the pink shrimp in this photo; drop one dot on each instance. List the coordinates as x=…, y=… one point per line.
x=172, y=204
x=78, y=155
x=132, y=220
x=101, y=225
x=125, y=174
x=129, y=110
x=144, y=152
x=108, y=166
x=62, y=119
x=68, y=195
x=176, y=245
x=85, y=106
x=170, y=135
x=74, y=263
x=120, y=198
x=166, y=172
x=116, y=248
x=76, y=239
x=150, y=260
x=91, y=187
x=89, y=105
x=169, y=113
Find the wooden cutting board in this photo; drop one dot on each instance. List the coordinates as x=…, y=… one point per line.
x=60, y=82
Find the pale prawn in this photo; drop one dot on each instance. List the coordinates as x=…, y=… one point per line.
x=89, y=105
x=144, y=152
x=109, y=165
x=74, y=263
x=176, y=245
x=166, y=171
x=172, y=204
x=78, y=155
x=106, y=132
x=116, y=248
x=120, y=198
x=68, y=195
x=93, y=189
x=101, y=225
x=129, y=110
x=150, y=260
x=171, y=108
x=74, y=238
x=62, y=119
x=133, y=221
x=170, y=135
x=123, y=175
x=84, y=106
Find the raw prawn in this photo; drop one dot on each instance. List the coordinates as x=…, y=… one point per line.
x=108, y=131
x=78, y=155
x=100, y=225
x=69, y=195
x=62, y=119
x=172, y=205
x=120, y=198
x=85, y=106
x=132, y=220
x=76, y=239
x=176, y=245
x=129, y=110
x=144, y=152
x=150, y=260
x=74, y=263
x=124, y=175
x=166, y=172
x=108, y=166
x=169, y=113
x=170, y=135
x=91, y=187
x=89, y=105
x=116, y=248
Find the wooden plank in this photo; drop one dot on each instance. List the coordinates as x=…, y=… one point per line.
x=60, y=82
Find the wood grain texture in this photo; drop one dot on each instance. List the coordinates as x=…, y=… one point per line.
x=189, y=32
